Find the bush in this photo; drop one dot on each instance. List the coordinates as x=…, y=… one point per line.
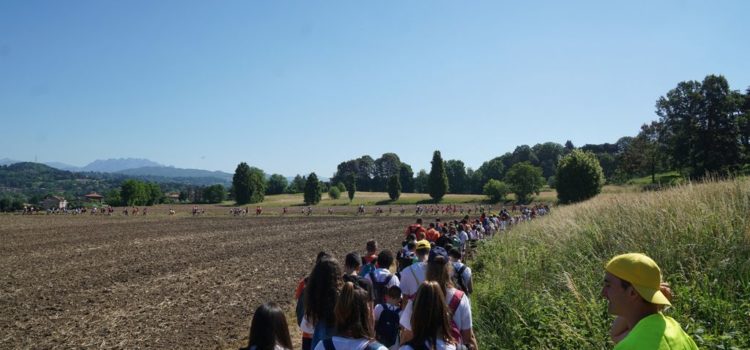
x=334, y=192
x=495, y=190
x=579, y=177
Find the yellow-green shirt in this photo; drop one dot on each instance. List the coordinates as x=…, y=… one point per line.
x=657, y=332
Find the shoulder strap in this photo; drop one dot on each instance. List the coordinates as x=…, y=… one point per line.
x=455, y=301
x=372, y=276
x=387, y=279
x=461, y=270
x=328, y=344
x=372, y=345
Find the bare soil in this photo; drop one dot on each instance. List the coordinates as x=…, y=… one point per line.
x=161, y=281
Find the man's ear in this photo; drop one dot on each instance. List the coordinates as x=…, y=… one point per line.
x=633, y=294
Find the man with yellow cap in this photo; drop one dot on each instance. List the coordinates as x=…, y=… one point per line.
x=632, y=285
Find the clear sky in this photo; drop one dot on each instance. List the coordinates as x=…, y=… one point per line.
x=299, y=86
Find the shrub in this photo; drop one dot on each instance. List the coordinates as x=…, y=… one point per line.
x=334, y=192
x=495, y=190
x=524, y=180
x=394, y=187
x=579, y=177
x=312, y=189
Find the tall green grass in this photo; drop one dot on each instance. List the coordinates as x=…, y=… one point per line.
x=538, y=287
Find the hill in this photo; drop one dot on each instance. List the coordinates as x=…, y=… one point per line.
x=115, y=165
x=172, y=172
x=538, y=286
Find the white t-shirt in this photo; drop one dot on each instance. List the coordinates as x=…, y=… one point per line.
x=341, y=343
x=463, y=237
x=379, y=309
x=462, y=317
x=409, y=284
x=380, y=276
x=465, y=275
x=441, y=345
x=306, y=327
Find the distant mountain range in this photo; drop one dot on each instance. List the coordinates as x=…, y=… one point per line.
x=142, y=168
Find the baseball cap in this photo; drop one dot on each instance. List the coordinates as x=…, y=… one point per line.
x=423, y=244
x=642, y=272
x=436, y=252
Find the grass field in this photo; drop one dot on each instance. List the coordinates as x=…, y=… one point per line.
x=538, y=286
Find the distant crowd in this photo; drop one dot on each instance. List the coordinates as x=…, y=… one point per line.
x=416, y=298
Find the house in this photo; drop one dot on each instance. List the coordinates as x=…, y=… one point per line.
x=53, y=202
x=94, y=197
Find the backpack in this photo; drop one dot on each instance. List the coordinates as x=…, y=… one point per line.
x=458, y=280
x=379, y=289
x=322, y=332
x=372, y=345
x=367, y=267
x=456, y=242
x=387, y=327
x=453, y=306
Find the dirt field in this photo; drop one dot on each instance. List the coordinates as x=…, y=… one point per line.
x=160, y=281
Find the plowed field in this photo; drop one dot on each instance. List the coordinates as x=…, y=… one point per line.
x=160, y=281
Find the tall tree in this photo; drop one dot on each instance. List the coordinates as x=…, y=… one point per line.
x=241, y=184
x=214, y=194
x=248, y=184
x=524, y=153
x=133, y=192
x=438, y=181
x=549, y=154
x=457, y=179
x=394, y=187
x=386, y=166
x=351, y=186
x=312, y=190
x=406, y=176
x=701, y=125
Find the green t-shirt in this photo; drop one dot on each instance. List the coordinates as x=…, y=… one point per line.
x=657, y=332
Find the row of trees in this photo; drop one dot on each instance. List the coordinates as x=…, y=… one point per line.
x=135, y=192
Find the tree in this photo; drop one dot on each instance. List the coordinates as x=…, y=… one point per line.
x=406, y=176
x=437, y=184
x=457, y=179
x=386, y=166
x=420, y=182
x=524, y=153
x=394, y=187
x=155, y=195
x=549, y=154
x=312, y=190
x=351, y=187
x=341, y=186
x=579, y=177
x=113, y=197
x=334, y=192
x=701, y=126
x=524, y=180
x=297, y=185
x=214, y=194
x=277, y=184
x=492, y=169
x=133, y=192
x=248, y=184
x=569, y=147
x=495, y=190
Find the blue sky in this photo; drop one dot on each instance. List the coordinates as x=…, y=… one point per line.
x=299, y=86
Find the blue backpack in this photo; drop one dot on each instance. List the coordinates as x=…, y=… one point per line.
x=379, y=289
x=322, y=332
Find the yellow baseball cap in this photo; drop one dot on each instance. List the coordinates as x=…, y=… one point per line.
x=642, y=272
x=423, y=244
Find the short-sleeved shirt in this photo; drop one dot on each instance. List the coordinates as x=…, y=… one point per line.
x=411, y=278
x=432, y=235
x=348, y=343
x=381, y=275
x=462, y=317
x=657, y=332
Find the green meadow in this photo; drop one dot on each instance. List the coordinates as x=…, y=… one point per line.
x=538, y=286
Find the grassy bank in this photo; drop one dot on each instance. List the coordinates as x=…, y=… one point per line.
x=538, y=287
